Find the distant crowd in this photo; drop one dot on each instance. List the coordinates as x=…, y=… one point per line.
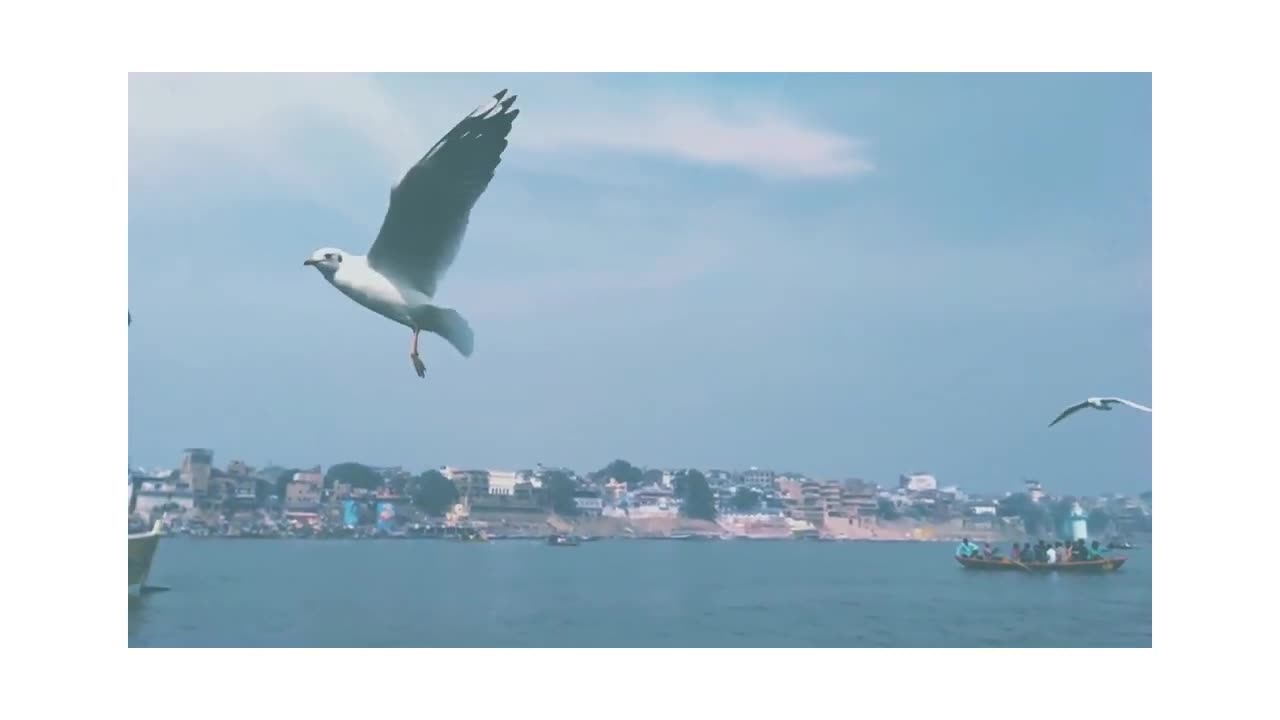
x=1041, y=552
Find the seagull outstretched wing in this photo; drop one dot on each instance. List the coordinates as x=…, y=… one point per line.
x=1074, y=408
x=430, y=207
x=1130, y=403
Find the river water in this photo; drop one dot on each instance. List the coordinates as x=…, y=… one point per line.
x=622, y=593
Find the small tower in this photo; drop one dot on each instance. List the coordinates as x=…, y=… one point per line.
x=1079, y=523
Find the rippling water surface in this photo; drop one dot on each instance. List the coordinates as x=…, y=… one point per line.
x=620, y=593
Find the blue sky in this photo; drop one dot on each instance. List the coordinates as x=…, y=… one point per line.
x=843, y=275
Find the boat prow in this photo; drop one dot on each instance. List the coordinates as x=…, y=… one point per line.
x=142, y=550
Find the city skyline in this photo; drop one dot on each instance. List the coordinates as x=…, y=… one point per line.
x=792, y=473
x=851, y=275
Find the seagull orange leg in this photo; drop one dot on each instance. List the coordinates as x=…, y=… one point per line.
x=418, y=365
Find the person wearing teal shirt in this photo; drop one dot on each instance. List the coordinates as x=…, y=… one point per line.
x=1095, y=551
x=967, y=549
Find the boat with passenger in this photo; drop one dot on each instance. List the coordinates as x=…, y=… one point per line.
x=1085, y=566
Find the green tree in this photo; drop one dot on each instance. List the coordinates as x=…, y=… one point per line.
x=282, y=483
x=1060, y=515
x=886, y=510
x=918, y=511
x=557, y=491
x=1099, y=521
x=1016, y=505
x=263, y=489
x=432, y=492
x=1035, y=518
x=354, y=474
x=650, y=477
x=745, y=500
x=696, y=499
x=398, y=482
x=622, y=471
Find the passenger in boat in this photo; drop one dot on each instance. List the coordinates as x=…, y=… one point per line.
x=1014, y=553
x=1080, y=551
x=1042, y=554
x=1051, y=555
x=988, y=552
x=967, y=549
x=1065, y=554
x=1027, y=555
x=1095, y=551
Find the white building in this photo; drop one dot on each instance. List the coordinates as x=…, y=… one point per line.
x=917, y=482
x=531, y=477
x=149, y=502
x=503, y=482
x=1034, y=491
x=1079, y=523
x=615, y=491
x=717, y=478
x=759, y=479
x=643, y=512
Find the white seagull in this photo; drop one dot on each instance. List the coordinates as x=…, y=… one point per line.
x=423, y=230
x=1099, y=404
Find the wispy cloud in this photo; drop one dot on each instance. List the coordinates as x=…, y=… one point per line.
x=254, y=112
x=761, y=141
x=250, y=118
x=324, y=138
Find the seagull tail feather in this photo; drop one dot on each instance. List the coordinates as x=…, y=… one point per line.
x=448, y=324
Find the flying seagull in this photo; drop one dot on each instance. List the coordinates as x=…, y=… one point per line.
x=1099, y=404
x=423, y=229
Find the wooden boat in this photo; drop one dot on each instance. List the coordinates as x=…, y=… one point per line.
x=562, y=540
x=1103, y=565
x=142, y=549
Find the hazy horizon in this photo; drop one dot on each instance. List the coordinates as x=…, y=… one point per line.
x=840, y=275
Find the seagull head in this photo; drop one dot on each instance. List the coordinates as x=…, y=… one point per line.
x=326, y=260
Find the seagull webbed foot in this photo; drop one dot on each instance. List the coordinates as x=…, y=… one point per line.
x=418, y=366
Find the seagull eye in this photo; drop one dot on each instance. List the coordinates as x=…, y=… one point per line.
x=328, y=256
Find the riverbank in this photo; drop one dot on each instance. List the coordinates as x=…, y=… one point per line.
x=261, y=526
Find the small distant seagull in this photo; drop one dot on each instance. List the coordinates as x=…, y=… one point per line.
x=423, y=230
x=1099, y=404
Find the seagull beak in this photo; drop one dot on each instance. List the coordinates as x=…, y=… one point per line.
x=311, y=261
